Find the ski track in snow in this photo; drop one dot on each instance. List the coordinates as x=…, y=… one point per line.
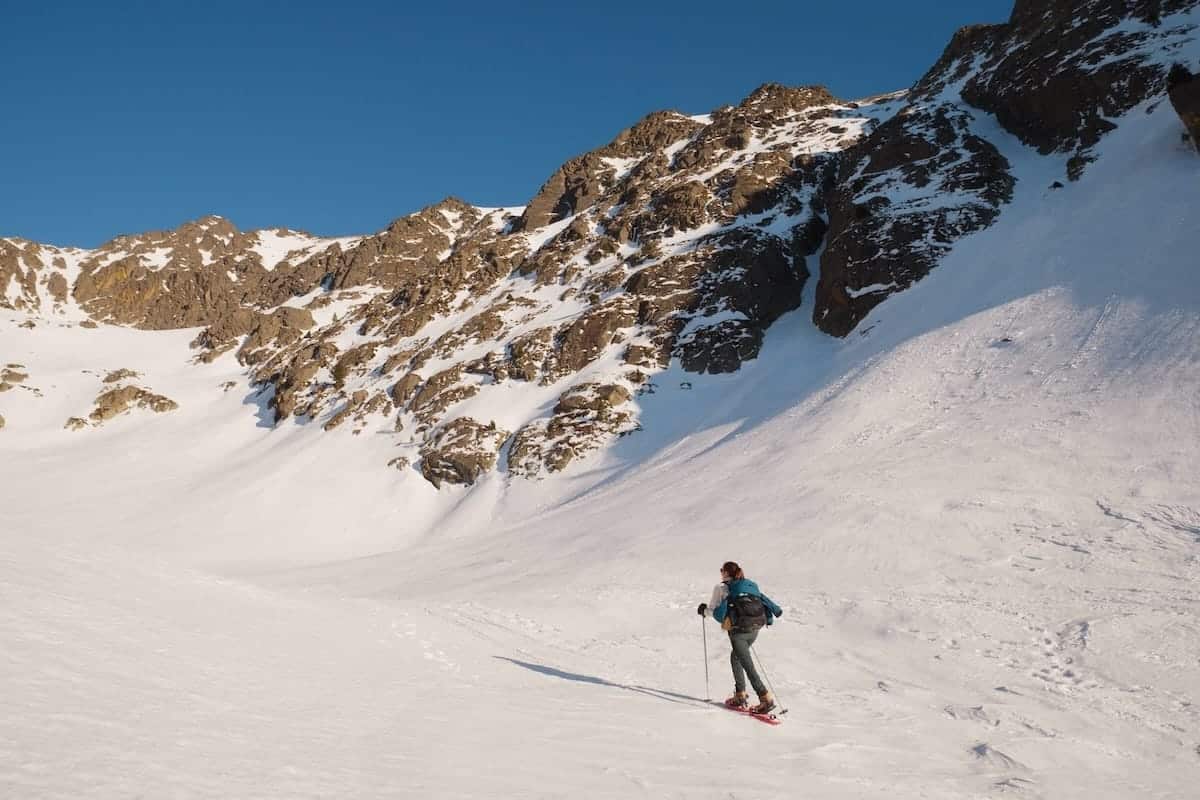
x=979, y=512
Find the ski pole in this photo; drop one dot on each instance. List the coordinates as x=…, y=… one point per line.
x=782, y=710
x=704, y=634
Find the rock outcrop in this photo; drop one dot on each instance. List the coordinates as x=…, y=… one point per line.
x=117, y=401
x=10, y=377
x=461, y=451
x=918, y=183
x=1183, y=88
x=35, y=278
x=118, y=375
x=1054, y=75
x=117, y=397
x=1057, y=73
x=584, y=417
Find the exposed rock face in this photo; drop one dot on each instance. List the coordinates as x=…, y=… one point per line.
x=461, y=451
x=1054, y=75
x=11, y=376
x=353, y=404
x=405, y=388
x=117, y=401
x=584, y=417
x=118, y=375
x=952, y=182
x=199, y=274
x=580, y=182
x=1184, y=90
x=1098, y=49
x=34, y=277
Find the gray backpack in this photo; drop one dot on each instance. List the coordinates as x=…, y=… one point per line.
x=747, y=612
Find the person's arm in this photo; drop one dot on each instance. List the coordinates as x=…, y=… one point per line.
x=771, y=606
x=716, y=602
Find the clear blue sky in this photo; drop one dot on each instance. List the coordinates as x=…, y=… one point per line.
x=337, y=117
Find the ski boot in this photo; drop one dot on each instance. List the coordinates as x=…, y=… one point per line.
x=766, y=704
x=739, y=700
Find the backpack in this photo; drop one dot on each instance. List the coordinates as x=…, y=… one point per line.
x=747, y=612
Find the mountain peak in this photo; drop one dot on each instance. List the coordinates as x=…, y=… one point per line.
x=778, y=97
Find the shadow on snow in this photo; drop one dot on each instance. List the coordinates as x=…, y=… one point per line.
x=661, y=694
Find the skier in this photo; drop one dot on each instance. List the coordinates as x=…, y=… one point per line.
x=742, y=610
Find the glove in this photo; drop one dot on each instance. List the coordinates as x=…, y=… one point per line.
x=780, y=614
x=700, y=609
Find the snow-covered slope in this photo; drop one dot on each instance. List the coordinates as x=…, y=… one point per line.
x=979, y=511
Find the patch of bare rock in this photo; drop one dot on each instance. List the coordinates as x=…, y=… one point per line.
x=1183, y=89
x=461, y=451
x=118, y=400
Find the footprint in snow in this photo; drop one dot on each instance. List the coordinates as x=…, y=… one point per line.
x=970, y=714
x=992, y=758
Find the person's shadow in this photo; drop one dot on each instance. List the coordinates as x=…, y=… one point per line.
x=661, y=694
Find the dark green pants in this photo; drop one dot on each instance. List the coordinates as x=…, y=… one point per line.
x=743, y=663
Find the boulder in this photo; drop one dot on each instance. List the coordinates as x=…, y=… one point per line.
x=461, y=451
x=356, y=400
x=117, y=401
x=405, y=388
x=118, y=375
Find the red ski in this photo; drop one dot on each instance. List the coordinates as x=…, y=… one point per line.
x=768, y=718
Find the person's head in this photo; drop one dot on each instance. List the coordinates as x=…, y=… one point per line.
x=730, y=571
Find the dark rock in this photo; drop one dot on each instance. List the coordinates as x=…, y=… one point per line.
x=1184, y=90
x=582, y=341
x=875, y=250
x=1065, y=107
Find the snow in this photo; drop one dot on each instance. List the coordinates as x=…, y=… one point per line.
x=539, y=236
x=12, y=291
x=872, y=289
x=497, y=216
x=672, y=150
x=698, y=323
x=978, y=511
x=157, y=258
x=283, y=246
x=623, y=166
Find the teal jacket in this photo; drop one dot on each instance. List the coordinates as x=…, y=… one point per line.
x=745, y=586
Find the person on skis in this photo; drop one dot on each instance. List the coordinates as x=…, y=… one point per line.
x=742, y=610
